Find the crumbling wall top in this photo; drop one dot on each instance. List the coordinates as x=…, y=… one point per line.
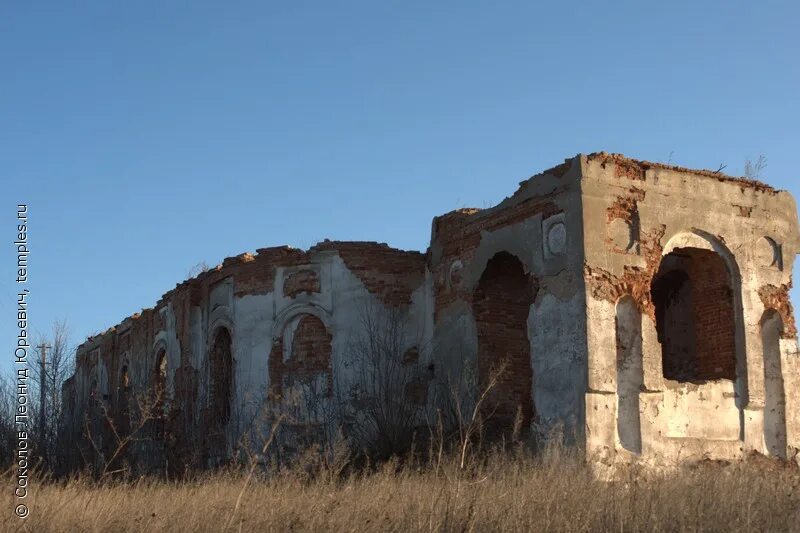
x=389, y=273
x=635, y=169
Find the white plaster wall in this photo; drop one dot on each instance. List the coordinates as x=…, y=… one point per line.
x=720, y=419
x=259, y=319
x=253, y=319
x=557, y=357
x=790, y=366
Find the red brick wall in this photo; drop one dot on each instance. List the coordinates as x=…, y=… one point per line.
x=311, y=355
x=715, y=321
x=777, y=298
x=302, y=281
x=695, y=293
x=501, y=305
x=390, y=274
x=458, y=233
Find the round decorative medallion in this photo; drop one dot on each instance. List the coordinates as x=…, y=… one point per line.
x=768, y=253
x=620, y=233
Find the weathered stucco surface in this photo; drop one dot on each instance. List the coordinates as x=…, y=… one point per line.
x=642, y=308
x=668, y=212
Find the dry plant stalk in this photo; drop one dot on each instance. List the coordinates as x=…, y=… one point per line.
x=552, y=491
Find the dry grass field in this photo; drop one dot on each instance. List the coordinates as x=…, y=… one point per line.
x=553, y=492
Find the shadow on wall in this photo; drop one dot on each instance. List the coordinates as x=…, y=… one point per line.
x=774, y=396
x=630, y=376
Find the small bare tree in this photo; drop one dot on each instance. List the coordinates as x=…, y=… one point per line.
x=59, y=366
x=197, y=269
x=389, y=385
x=464, y=404
x=753, y=170
x=8, y=432
x=111, y=444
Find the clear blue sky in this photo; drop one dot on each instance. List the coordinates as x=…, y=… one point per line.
x=150, y=136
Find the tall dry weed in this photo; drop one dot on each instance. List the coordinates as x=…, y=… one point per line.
x=511, y=491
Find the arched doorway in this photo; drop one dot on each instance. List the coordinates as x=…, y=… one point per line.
x=501, y=304
x=123, y=399
x=774, y=394
x=160, y=393
x=220, y=378
x=695, y=316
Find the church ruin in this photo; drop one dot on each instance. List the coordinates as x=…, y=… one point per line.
x=642, y=307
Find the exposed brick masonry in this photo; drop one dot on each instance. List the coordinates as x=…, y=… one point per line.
x=501, y=305
x=390, y=274
x=715, y=321
x=459, y=234
x=311, y=355
x=304, y=281
x=635, y=281
x=777, y=298
x=695, y=316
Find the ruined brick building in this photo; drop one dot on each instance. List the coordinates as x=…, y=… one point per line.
x=644, y=307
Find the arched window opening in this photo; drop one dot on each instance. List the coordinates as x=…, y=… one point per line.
x=306, y=356
x=160, y=382
x=122, y=414
x=160, y=393
x=693, y=297
x=311, y=344
x=123, y=389
x=629, y=374
x=124, y=380
x=501, y=304
x=774, y=393
x=221, y=378
x=93, y=393
x=300, y=374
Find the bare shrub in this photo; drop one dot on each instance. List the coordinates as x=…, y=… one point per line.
x=8, y=431
x=46, y=384
x=753, y=170
x=111, y=444
x=197, y=269
x=389, y=385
